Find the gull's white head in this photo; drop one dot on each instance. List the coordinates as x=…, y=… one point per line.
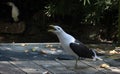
x=56, y=29
x=10, y=4
x=63, y=36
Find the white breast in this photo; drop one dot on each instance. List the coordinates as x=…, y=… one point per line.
x=65, y=41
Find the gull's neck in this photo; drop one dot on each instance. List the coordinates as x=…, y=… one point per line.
x=65, y=37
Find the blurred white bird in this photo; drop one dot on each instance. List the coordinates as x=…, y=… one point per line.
x=15, y=11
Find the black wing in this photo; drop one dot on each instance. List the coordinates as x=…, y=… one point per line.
x=81, y=50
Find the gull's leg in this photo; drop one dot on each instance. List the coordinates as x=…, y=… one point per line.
x=76, y=62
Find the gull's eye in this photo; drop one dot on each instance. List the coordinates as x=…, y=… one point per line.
x=58, y=28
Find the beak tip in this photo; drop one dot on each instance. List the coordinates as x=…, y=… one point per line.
x=49, y=30
x=51, y=25
x=53, y=28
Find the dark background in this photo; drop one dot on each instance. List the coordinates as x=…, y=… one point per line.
x=90, y=23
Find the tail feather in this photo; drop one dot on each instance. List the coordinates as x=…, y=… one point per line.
x=95, y=56
x=100, y=54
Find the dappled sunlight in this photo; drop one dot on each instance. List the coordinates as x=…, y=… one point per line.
x=29, y=51
x=50, y=57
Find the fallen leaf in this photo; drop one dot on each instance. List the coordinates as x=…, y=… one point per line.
x=106, y=66
x=113, y=52
x=23, y=44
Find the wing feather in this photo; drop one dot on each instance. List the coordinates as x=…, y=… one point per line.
x=81, y=50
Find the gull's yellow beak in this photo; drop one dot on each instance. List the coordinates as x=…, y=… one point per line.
x=52, y=28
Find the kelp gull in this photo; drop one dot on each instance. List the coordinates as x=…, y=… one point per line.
x=73, y=46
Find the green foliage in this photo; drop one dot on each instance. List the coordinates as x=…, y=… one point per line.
x=99, y=13
x=62, y=7
x=92, y=9
x=96, y=10
x=119, y=23
x=86, y=1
